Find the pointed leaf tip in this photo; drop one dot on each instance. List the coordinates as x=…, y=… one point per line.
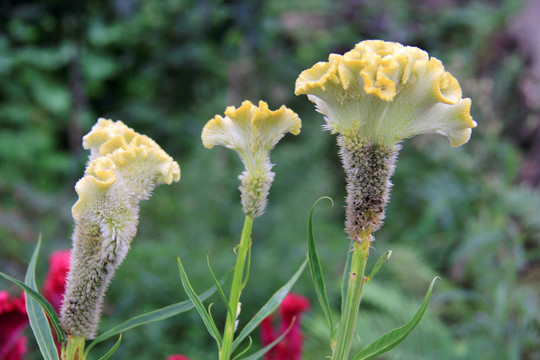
x=394, y=337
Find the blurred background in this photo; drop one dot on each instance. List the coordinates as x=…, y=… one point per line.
x=469, y=214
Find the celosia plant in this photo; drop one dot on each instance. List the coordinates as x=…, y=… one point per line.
x=123, y=169
x=252, y=132
x=373, y=97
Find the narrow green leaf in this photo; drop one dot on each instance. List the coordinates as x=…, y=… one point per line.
x=248, y=266
x=345, y=278
x=259, y=354
x=43, y=303
x=38, y=320
x=383, y=259
x=206, y=318
x=270, y=306
x=152, y=316
x=239, y=356
x=219, y=289
x=113, y=349
x=316, y=270
x=394, y=337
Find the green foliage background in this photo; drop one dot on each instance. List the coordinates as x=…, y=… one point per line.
x=167, y=67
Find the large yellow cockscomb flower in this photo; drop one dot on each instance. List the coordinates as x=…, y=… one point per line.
x=123, y=169
x=386, y=92
x=374, y=96
x=252, y=132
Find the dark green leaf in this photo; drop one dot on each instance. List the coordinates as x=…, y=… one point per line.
x=156, y=315
x=383, y=259
x=38, y=320
x=316, y=271
x=112, y=350
x=239, y=356
x=394, y=337
x=268, y=308
x=345, y=278
x=206, y=318
x=219, y=289
x=248, y=266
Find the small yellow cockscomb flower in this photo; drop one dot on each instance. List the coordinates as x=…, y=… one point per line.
x=123, y=169
x=387, y=92
x=252, y=132
x=374, y=96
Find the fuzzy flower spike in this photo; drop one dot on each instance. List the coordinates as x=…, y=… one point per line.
x=374, y=96
x=252, y=132
x=123, y=169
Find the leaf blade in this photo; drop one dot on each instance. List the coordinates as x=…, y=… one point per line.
x=112, y=350
x=382, y=260
x=152, y=316
x=219, y=289
x=394, y=337
x=38, y=320
x=316, y=270
x=270, y=306
x=206, y=318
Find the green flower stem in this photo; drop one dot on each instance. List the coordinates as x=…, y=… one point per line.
x=349, y=316
x=236, y=289
x=74, y=349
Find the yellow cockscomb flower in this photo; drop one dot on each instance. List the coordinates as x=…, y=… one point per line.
x=123, y=169
x=374, y=96
x=252, y=132
x=386, y=92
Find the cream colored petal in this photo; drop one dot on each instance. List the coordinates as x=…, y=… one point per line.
x=128, y=168
x=100, y=176
x=232, y=131
x=270, y=126
x=453, y=121
x=252, y=132
x=104, y=131
x=317, y=77
x=383, y=91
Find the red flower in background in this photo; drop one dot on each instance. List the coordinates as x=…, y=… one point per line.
x=13, y=320
x=290, y=347
x=177, y=357
x=55, y=283
x=13, y=317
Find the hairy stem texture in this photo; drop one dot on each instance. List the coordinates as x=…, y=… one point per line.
x=368, y=168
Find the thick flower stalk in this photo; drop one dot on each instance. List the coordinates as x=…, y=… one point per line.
x=374, y=96
x=252, y=132
x=123, y=169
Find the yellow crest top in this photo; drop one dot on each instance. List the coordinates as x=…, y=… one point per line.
x=386, y=92
x=124, y=167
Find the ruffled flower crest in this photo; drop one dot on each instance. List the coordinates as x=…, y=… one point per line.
x=387, y=92
x=252, y=132
x=374, y=96
x=124, y=168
